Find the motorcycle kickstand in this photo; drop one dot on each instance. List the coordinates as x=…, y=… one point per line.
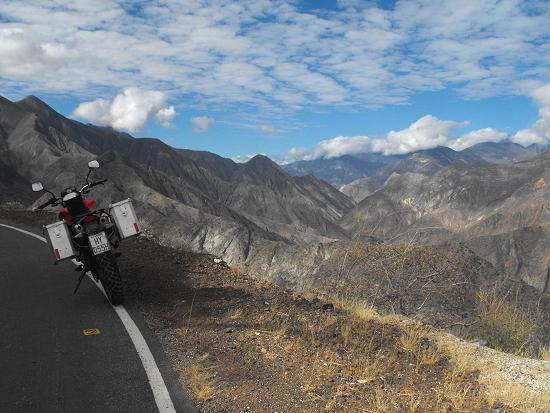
x=79, y=281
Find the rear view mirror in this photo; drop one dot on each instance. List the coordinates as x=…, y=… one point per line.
x=37, y=187
x=93, y=164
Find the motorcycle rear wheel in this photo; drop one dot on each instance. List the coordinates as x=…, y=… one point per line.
x=109, y=276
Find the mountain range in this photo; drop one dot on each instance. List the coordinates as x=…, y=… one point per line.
x=492, y=197
x=360, y=175
x=195, y=199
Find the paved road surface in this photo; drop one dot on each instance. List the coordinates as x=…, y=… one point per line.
x=47, y=363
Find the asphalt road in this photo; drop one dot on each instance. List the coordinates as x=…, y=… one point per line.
x=47, y=362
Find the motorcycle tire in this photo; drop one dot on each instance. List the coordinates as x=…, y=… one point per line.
x=109, y=276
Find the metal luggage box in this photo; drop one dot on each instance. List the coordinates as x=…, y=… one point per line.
x=125, y=219
x=59, y=240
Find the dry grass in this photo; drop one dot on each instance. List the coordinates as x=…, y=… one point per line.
x=505, y=326
x=430, y=356
x=518, y=398
x=361, y=352
x=235, y=314
x=514, y=397
x=359, y=309
x=411, y=339
x=200, y=380
x=545, y=353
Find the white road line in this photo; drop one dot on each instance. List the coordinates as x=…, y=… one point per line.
x=156, y=382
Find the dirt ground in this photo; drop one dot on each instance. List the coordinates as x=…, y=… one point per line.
x=245, y=346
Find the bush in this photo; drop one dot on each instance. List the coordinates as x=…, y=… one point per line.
x=504, y=326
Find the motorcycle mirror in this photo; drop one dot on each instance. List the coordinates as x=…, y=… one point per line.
x=93, y=164
x=37, y=187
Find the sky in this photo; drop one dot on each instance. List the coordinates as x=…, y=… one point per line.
x=290, y=79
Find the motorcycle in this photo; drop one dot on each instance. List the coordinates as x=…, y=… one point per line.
x=90, y=235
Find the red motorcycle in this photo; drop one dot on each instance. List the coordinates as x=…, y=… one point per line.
x=90, y=235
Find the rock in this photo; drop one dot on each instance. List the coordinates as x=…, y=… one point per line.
x=328, y=307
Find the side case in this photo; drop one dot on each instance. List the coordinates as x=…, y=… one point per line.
x=125, y=219
x=59, y=240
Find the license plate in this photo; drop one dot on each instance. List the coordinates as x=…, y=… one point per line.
x=99, y=243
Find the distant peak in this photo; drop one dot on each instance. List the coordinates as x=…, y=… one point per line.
x=33, y=100
x=33, y=104
x=261, y=163
x=261, y=160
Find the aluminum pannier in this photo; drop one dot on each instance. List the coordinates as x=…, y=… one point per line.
x=125, y=219
x=59, y=240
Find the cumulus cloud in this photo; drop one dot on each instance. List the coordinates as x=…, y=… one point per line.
x=165, y=116
x=478, y=136
x=338, y=146
x=201, y=123
x=539, y=132
x=129, y=110
x=426, y=133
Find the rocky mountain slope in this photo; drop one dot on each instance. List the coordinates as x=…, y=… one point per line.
x=341, y=170
x=198, y=199
x=501, y=211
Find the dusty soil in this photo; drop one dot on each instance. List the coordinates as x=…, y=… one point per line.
x=243, y=345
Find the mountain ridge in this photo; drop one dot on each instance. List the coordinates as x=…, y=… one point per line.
x=233, y=205
x=359, y=175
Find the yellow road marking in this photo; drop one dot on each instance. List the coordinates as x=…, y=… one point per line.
x=91, y=332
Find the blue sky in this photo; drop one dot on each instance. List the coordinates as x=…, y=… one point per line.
x=294, y=80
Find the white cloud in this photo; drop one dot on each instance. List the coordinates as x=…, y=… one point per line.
x=165, y=116
x=294, y=154
x=341, y=145
x=97, y=112
x=275, y=54
x=201, y=123
x=478, y=136
x=426, y=133
x=23, y=57
x=539, y=132
x=129, y=110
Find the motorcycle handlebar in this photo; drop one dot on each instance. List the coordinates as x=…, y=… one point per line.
x=97, y=183
x=45, y=204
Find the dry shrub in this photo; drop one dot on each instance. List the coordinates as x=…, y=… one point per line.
x=411, y=339
x=463, y=397
x=545, y=353
x=504, y=325
x=430, y=356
